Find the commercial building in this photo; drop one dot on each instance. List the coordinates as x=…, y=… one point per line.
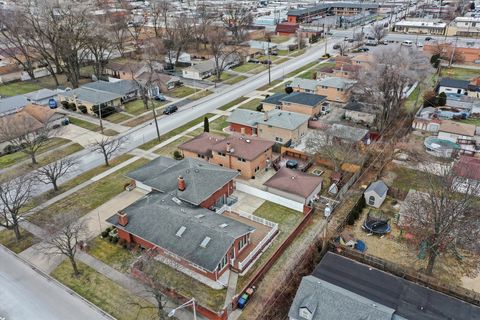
x=421, y=27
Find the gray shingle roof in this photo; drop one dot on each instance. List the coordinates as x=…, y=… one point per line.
x=307, y=84
x=454, y=83
x=327, y=301
x=157, y=219
x=275, y=98
x=379, y=187
x=93, y=96
x=40, y=95
x=11, y=104
x=122, y=87
x=336, y=82
x=276, y=118
x=201, y=178
x=307, y=99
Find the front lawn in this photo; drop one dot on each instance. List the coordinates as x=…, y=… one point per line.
x=200, y=94
x=167, y=151
x=112, y=254
x=117, y=117
x=474, y=121
x=250, y=68
x=235, y=80
x=104, y=293
x=251, y=105
x=88, y=198
x=299, y=70
x=219, y=124
x=7, y=238
x=232, y=103
x=91, y=126
x=136, y=107
x=281, y=60
x=279, y=39
x=181, y=92
x=189, y=287
x=174, y=132
x=14, y=158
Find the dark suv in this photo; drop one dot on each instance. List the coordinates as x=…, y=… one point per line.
x=170, y=109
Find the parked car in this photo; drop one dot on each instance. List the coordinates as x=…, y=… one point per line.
x=363, y=49
x=428, y=38
x=407, y=43
x=266, y=62
x=160, y=97
x=170, y=109
x=336, y=46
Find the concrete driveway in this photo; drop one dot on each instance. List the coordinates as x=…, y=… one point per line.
x=79, y=135
x=246, y=203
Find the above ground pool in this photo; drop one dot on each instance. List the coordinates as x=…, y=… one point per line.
x=440, y=147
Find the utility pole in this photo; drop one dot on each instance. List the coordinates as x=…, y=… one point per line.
x=156, y=123
x=453, y=52
x=326, y=38
x=100, y=116
x=268, y=60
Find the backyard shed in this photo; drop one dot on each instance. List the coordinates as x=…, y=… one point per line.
x=376, y=193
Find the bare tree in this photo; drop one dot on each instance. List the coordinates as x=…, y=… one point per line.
x=64, y=235
x=100, y=48
x=178, y=35
x=378, y=32
x=107, y=146
x=14, y=41
x=343, y=48
x=14, y=194
x=136, y=30
x=445, y=215
x=118, y=32
x=221, y=52
x=358, y=38
x=152, y=278
x=324, y=144
x=237, y=18
x=159, y=15
x=26, y=133
x=52, y=172
x=383, y=83
x=203, y=23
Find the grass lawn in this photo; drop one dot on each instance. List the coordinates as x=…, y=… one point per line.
x=251, y=105
x=305, y=67
x=139, y=120
x=16, y=88
x=281, y=60
x=167, y=151
x=112, y=254
x=200, y=94
x=308, y=74
x=174, y=132
x=224, y=76
x=136, y=107
x=232, y=103
x=280, y=89
x=279, y=39
x=283, y=52
x=89, y=197
x=7, y=238
x=406, y=179
x=11, y=159
x=76, y=181
x=459, y=73
x=219, y=124
x=91, y=126
x=250, y=68
x=181, y=92
x=474, y=121
x=297, y=53
x=42, y=160
x=410, y=101
x=235, y=80
x=269, y=86
x=287, y=220
x=103, y=292
x=189, y=287
x=117, y=117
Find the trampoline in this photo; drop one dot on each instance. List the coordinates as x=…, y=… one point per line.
x=376, y=225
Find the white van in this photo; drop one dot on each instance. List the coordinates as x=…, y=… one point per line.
x=407, y=43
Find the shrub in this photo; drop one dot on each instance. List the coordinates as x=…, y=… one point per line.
x=115, y=239
x=109, y=229
x=177, y=155
x=72, y=106
x=104, y=234
x=82, y=108
x=288, y=90
x=259, y=107
x=110, y=238
x=442, y=99
x=65, y=104
x=206, y=125
x=122, y=242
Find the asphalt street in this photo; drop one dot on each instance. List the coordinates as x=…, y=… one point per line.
x=26, y=294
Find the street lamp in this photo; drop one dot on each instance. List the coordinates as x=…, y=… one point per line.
x=186, y=304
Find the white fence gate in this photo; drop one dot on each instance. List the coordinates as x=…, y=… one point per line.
x=294, y=205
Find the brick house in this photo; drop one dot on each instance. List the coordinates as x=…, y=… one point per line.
x=334, y=88
x=176, y=217
x=300, y=102
x=247, y=155
x=277, y=125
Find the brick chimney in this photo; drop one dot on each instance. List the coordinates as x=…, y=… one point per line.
x=181, y=183
x=228, y=147
x=122, y=218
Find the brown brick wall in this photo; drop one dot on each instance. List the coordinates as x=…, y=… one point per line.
x=235, y=127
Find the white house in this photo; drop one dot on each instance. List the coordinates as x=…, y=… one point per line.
x=449, y=85
x=376, y=193
x=200, y=70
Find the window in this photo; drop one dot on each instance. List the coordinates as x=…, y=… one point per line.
x=242, y=243
x=221, y=154
x=371, y=200
x=241, y=159
x=222, y=263
x=305, y=314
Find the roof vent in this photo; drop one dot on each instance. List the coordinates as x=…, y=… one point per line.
x=180, y=231
x=223, y=225
x=177, y=201
x=205, y=242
